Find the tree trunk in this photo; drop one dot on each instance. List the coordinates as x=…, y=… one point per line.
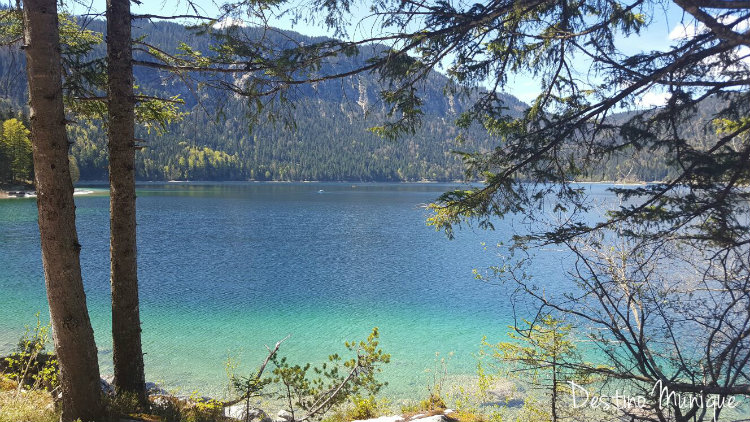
x=126, y=323
x=71, y=327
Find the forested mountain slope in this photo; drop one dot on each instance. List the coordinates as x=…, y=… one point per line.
x=329, y=139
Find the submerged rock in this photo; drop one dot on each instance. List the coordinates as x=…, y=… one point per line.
x=153, y=388
x=420, y=417
x=433, y=418
x=504, y=393
x=163, y=402
x=284, y=416
x=240, y=412
x=106, y=386
x=384, y=419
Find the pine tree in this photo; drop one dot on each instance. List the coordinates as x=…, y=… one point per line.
x=72, y=332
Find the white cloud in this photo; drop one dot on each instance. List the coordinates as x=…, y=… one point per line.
x=740, y=26
x=229, y=22
x=744, y=53
x=688, y=30
x=684, y=31
x=653, y=99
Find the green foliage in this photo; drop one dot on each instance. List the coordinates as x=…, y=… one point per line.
x=365, y=408
x=173, y=409
x=202, y=410
x=75, y=172
x=594, y=128
x=544, y=356
x=156, y=114
x=310, y=392
x=360, y=408
x=29, y=378
x=249, y=386
x=436, y=389
x=30, y=366
x=474, y=416
x=84, y=73
x=11, y=26
x=15, y=153
x=7, y=384
x=85, y=78
x=122, y=405
x=167, y=408
x=433, y=402
x=537, y=346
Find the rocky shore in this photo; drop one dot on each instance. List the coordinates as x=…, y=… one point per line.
x=239, y=412
x=160, y=398
x=501, y=393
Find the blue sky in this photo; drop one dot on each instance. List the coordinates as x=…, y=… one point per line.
x=666, y=24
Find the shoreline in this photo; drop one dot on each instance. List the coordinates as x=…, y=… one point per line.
x=615, y=182
x=363, y=182
x=93, y=184
x=32, y=194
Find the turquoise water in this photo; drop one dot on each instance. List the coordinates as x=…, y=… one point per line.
x=228, y=268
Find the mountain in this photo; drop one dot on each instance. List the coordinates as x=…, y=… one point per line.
x=328, y=141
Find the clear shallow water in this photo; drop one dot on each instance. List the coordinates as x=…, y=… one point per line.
x=228, y=268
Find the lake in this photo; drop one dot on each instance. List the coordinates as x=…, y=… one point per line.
x=226, y=269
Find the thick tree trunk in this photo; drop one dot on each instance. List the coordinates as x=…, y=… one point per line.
x=71, y=327
x=126, y=323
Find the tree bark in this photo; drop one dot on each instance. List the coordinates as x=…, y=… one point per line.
x=71, y=328
x=126, y=324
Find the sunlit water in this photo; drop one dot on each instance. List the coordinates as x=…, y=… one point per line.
x=225, y=269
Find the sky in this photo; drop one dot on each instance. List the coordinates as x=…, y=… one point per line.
x=667, y=25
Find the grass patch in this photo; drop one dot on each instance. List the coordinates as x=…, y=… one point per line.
x=7, y=384
x=467, y=416
x=433, y=404
x=146, y=417
x=172, y=409
x=360, y=408
x=31, y=406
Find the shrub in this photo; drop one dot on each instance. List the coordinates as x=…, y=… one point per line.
x=194, y=409
x=30, y=365
x=433, y=402
x=122, y=405
x=366, y=408
x=7, y=384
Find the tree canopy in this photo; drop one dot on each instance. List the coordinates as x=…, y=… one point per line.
x=670, y=258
